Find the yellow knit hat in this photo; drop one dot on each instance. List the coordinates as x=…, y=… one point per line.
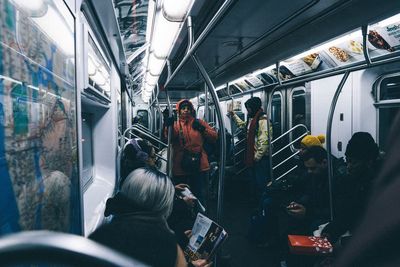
x=312, y=140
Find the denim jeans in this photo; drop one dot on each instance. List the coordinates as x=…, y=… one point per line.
x=261, y=175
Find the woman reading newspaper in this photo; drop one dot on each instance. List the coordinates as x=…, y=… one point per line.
x=138, y=227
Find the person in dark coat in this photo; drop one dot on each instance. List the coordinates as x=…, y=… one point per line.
x=353, y=190
x=312, y=208
x=376, y=240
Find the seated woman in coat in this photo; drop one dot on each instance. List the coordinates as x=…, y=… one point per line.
x=139, y=228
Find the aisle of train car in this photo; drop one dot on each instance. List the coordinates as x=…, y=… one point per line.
x=238, y=209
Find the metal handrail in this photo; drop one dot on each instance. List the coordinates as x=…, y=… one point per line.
x=142, y=128
x=40, y=247
x=289, y=171
x=272, y=155
x=150, y=136
x=289, y=144
x=289, y=131
x=280, y=163
x=329, y=138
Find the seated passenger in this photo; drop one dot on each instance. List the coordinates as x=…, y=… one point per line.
x=137, y=153
x=312, y=207
x=353, y=189
x=376, y=240
x=139, y=228
x=312, y=140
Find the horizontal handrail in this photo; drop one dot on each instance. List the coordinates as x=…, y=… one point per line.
x=288, y=145
x=138, y=125
x=294, y=154
x=240, y=152
x=240, y=141
x=289, y=131
x=286, y=173
x=150, y=136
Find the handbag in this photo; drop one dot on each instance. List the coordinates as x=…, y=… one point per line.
x=190, y=160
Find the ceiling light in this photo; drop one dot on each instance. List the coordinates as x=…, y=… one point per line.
x=164, y=36
x=176, y=10
x=150, y=79
x=156, y=65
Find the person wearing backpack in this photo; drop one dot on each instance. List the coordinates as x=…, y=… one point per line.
x=256, y=156
x=190, y=160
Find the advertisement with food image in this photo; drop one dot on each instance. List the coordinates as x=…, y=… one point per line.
x=385, y=38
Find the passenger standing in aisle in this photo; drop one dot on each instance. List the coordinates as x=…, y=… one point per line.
x=190, y=160
x=256, y=158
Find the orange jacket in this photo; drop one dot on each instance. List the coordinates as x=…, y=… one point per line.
x=193, y=141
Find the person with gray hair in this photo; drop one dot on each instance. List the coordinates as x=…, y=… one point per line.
x=139, y=228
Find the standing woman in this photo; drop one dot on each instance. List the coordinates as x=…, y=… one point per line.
x=190, y=160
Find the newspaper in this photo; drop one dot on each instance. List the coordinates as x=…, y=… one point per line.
x=206, y=239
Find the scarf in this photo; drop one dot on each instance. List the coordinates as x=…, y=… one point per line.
x=251, y=139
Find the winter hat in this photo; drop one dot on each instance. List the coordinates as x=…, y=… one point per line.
x=312, y=140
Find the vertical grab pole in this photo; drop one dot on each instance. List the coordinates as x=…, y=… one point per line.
x=364, y=30
x=159, y=113
x=222, y=143
x=269, y=112
x=329, y=138
x=206, y=111
x=221, y=123
x=169, y=152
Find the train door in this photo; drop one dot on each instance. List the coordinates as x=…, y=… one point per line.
x=322, y=92
x=387, y=97
x=277, y=114
x=297, y=113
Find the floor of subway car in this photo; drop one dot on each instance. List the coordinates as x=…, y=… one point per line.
x=238, y=208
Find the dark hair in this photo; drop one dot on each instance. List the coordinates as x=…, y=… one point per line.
x=317, y=153
x=134, y=157
x=362, y=146
x=254, y=103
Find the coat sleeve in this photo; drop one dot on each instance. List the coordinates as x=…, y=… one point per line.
x=209, y=133
x=239, y=123
x=262, y=138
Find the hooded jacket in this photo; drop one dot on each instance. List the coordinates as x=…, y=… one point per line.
x=193, y=140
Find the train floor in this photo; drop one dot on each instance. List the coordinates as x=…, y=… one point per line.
x=239, y=205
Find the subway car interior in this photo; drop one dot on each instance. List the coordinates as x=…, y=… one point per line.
x=81, y=80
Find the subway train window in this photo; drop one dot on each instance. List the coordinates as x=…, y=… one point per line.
x=98, y=70
x=38, y=134
x=298, y=113
x=298, y=107
x=276, y=114
x=390, y=88
x=87, y=150
x=388, y=104
x=143, y=117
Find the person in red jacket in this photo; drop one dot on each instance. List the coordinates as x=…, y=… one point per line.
x=188, y=137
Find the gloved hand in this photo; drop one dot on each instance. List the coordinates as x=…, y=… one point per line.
x=198, y=126
x=169, y=121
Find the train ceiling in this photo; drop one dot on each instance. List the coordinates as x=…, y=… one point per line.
x=252, y=34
